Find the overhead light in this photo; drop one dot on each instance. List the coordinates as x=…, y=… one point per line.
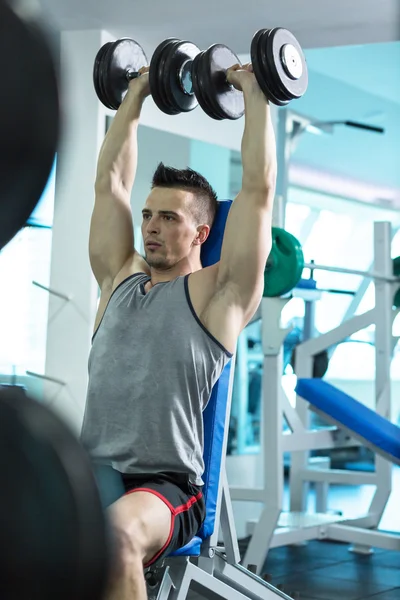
x=314, y=129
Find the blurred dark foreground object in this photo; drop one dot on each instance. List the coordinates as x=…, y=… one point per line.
x=54, y=540
x=29, y=117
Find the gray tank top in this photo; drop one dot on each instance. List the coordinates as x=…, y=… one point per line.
x=152, y=367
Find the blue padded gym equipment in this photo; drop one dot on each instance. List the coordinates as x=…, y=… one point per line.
x=382, y=435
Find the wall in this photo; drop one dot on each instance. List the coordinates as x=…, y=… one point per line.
x=351, y=152
x=154, y=147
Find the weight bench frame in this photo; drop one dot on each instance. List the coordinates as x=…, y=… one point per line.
x=275, y=528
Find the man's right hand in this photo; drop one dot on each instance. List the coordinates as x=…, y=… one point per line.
x=140, y=87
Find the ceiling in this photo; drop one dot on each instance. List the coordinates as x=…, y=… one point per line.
x=316, y=23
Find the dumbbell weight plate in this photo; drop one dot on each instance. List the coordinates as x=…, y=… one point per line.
x=198, y=86
x=103, y=76
x=226, y=101
x=123, y=56
x=179, y=60
x=163, y=78
x=261, y=67
x=156, y=74
x=275, y=84
x=287, y=63
x=204, y=78
x=276, y=91
x=97, y=79
x=102, y=72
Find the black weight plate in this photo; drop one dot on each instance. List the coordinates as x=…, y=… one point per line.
x=122, y=56
x=202, y=83
x=261, y=68
x=54, y=538
x=164, y=74
x=199, y=86
x=29, y=119
x=181, y=53
x=296, y=85
x=156, y=73
x=204, y=79
x=195, y=83
x=96, y=72
x=227, y=101
x=256, y=62
x=274, y=82
x=102, y=71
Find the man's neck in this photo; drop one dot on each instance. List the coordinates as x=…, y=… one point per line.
x=161, y=276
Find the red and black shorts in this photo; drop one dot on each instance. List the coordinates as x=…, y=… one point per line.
x=184, y=500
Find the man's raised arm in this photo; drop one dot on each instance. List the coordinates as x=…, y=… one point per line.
x=111, y=241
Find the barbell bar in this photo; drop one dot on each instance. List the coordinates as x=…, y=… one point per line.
x=346, y=271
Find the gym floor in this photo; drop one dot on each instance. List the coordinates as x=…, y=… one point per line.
x=327, y=570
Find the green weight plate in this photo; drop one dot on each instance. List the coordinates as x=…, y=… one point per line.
x=122, y=57
x=287, y=63
x=54, y=537
x=156, y=74
x=226, y=101
x=396, y=273
x=284, y=265
x=177, y=77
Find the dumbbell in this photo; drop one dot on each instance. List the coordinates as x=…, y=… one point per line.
x=278, y=65
x=181, y=77
x=117, y=63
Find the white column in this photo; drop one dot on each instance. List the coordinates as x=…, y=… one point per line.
x=70, y=322
x=384, y=294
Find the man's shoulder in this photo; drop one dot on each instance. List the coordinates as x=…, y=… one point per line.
x=135, y=264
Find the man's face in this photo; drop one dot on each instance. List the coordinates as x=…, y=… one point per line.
x=168, y=227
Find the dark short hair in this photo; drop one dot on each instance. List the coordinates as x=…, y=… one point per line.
x=205, y=205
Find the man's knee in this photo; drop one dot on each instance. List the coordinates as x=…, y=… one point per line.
x=141, y=523
x=130, y=545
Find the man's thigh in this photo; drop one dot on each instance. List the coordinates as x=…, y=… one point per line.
x=163, y=513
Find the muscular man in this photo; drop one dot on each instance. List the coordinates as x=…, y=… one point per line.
x=166, y=327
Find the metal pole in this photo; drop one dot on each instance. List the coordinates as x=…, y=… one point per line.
x=383, y=359
x=369, y=274
x=51, y=291
x=46, y=378
x=283, y=159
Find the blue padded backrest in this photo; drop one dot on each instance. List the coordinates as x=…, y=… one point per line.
x=349, y=412
x=214, y=431
x=211, y=249
x=215, y=413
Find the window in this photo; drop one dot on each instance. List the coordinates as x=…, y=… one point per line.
x=24, y=305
